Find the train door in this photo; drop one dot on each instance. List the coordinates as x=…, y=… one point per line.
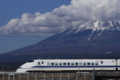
x=39, y=66
x=108, y=64
x=101, y=64
x=43, y=65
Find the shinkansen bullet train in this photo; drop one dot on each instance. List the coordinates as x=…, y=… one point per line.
x=41, y=65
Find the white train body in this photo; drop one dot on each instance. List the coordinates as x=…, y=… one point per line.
x=69, y=65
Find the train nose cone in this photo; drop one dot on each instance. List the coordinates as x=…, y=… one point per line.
x=21, y=70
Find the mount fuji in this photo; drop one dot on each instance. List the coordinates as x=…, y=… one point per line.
x=92, y=39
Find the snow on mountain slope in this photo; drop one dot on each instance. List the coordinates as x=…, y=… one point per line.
x=98, y=26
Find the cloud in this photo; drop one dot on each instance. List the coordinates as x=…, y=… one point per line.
x=66, y=16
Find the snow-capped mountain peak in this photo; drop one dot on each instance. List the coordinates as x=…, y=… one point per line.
x=99, y=26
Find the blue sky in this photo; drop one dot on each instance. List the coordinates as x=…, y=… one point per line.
x=15, y=8
x=26, y=22
x=10, y=9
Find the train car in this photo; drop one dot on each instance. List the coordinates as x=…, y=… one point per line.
x=67, y=65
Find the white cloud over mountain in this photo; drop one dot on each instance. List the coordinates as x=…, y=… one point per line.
x=66, y=16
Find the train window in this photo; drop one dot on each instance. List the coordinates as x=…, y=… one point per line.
x=92, y=63
x=88, y=63
x=96, y=63
x=42, y=62
x=56, y=64
x=101, y=62
x=52, y=64
x=68, y=64
x=72, y=63
x=84, y=63
x=76, y=63
x=80, y=63
x=48, y=64
x=60, y=64
x=64, y=64
x=38, y=63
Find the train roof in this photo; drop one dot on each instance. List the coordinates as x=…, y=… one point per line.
x=75, y=59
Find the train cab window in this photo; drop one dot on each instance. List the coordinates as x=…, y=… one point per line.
x=56, y=64
x=64, y=64
x=101, y=62
x=80, y=64
x=84, y=63
x=52, y=64
x=38, y=63
x=72, y=64
x=68, y=64
x=76, y=64
x=48, y=64
x=88, y=63
x=60, y=64
x=92, y=63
